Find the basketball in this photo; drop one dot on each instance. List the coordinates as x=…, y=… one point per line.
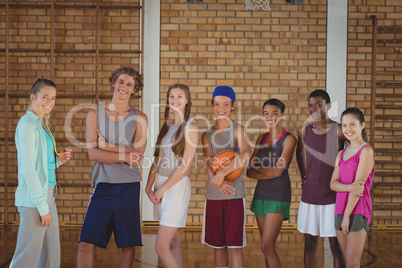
x=222, y=159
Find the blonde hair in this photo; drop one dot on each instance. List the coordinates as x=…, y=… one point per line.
x=36, y=88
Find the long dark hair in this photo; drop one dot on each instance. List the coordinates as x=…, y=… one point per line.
x=359, y=116
x=179, y=140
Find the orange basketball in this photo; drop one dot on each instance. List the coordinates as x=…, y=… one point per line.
x=222, y=159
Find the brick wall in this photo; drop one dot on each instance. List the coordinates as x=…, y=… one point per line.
x=262, y=55
x=75, y=29
x=279, y=54
x=386, y=197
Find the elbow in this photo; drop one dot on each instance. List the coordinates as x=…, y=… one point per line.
x=277, y=173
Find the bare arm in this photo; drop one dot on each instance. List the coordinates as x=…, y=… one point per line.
x=239, y=161
x=356, y=188
x=191, y=142
x=96, y=154
x=301, y=153
x=288, y=148
x=139, y=142
x=251, y=172
x=225, y=188
x=151, y=181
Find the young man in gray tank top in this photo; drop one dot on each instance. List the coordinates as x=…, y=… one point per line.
x=318, y=145
x=116, y=140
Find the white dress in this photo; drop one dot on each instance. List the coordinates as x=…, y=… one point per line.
x=172, y=211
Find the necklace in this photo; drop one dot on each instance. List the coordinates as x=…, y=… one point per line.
x=47, y=129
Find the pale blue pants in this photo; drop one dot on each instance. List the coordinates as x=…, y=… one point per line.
x=38, y=245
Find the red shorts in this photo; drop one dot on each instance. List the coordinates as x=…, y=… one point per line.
x=224, y=223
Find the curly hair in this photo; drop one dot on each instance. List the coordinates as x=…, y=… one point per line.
x=131, y=72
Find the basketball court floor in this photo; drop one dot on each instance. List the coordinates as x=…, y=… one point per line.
x=383, y=249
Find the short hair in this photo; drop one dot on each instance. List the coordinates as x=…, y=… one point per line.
x=320, y=93
x=275, y=102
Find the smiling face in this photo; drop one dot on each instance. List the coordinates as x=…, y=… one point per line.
x=177, y=99
x=44, y=101
x=318, y=108
x=222, y=106
x=352, y=128
x=123, y=86
x=272, y=115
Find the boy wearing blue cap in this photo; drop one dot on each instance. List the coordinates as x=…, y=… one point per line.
x=225, y=213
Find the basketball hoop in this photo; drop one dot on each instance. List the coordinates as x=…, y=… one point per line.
x=257, y=5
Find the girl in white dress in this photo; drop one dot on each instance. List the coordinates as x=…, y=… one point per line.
x=174, y=153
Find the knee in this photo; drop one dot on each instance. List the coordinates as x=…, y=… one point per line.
x=160, y=249
x=310, y=243
x=84, y=247
x=176, y=242
x=128, y=250
x=267, y=248
x=352, y=260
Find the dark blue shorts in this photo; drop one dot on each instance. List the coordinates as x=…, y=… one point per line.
x=114, y=207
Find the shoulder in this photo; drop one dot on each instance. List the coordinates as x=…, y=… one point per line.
x=368, y=151
x=301, y=131
x=239, y=128
x=93, y=113
x=141, y=115
x=27, y=125
x=192, y=125
x=290, y=137
x=290, y=140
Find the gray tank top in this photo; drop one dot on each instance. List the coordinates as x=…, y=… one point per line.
x=118, y=133
x=276, y=189
x=217, y=143
x=168, y=161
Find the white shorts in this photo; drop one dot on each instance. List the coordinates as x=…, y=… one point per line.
x=316, y=220
x=172, y=210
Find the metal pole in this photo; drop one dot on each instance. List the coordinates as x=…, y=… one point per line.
x=373, y=79
x=6, y=115
x=97, y=53
x=52, y=60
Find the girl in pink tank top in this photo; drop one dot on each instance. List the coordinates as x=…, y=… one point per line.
x=352, y=179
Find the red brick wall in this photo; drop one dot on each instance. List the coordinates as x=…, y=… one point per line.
x=389, y=13
x=262, y=55
x=279, y=54
x=75, y=29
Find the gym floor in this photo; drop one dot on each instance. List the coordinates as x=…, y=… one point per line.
x=383, y=249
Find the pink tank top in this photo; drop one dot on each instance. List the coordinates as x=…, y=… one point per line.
x=347, y=175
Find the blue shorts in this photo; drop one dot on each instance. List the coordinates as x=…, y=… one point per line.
x=114, y=207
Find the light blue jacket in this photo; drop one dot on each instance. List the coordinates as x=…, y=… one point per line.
x=32, y=164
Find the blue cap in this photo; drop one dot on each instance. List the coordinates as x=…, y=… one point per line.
x=225, y=91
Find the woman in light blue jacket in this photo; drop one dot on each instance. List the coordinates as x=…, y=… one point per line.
x=38, y=242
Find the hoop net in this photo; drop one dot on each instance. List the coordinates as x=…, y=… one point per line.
x=257, y=5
